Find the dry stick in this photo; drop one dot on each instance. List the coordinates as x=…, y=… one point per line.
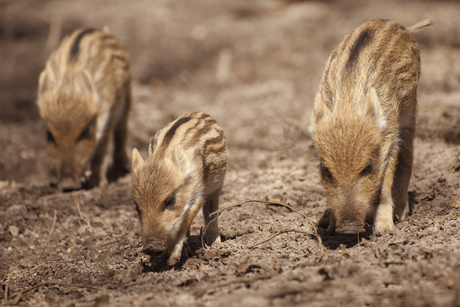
x=52, y=226
x=218, y=212
x=281, y=232
x=81, y=215
x=25, y=272
x=6, y=291
x=455, y=161
x=320, y=241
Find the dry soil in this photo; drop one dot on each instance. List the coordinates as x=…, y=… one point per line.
x=255, y=67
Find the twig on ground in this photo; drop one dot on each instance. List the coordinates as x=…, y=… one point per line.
x=218, y=212
x=279, y=233
x=81, y=215
x=52, y=227
x=7, y=288
x=320, y=241
x=315, y=234
x=454, y=164
x=27, y=271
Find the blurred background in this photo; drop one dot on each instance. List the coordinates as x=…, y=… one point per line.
x=253, y=65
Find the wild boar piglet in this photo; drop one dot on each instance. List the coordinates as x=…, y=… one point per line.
x=363, y=126
x=84, y=96
x=184, y=171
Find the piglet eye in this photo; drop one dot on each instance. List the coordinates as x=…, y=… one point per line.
x=325, y=173
x=169, y=202
x=84, y=134
x=367, y=170
x=139, y=212
x=50, y=137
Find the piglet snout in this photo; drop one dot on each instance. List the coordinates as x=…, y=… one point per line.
x=154, y=246
x=350, y=227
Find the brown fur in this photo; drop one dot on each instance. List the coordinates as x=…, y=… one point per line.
x=84, y=96
x=363, y=126
x=184, y=171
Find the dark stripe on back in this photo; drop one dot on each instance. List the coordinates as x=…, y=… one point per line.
x=107, y=37
x=216, y=140
x=118, y=57
x=362, y=41
x=169, y=135
x=73, y=55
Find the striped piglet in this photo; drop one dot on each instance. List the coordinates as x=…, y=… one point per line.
x=184, y=171
x=84, y=96
x=363, y=126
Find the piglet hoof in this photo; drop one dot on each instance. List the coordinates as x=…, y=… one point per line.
x=94, y=181
x=330, y=230
x=332, y=223
x=384, y=227
x=87, y=185
x=325, y=219
x=103, y=182
x=218, y=242
x=116, y=172
x=208, y=241
x=186, y=251
x=172, y=260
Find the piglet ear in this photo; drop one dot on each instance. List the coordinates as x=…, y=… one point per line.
x=374, y=108
x=181, y=159
x=320, y=110
x=87, y=84
x=137, y=159
x=152, y=145
x=43, y=84
x=50, y=78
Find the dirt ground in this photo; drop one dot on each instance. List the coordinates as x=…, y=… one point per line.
x=255, y=67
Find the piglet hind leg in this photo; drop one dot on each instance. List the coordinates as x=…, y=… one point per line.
x=211, y=205
x=98, y=165
x=120, y=158
x=402, y=177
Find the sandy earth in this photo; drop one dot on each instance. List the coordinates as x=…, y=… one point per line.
x=255, y=67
